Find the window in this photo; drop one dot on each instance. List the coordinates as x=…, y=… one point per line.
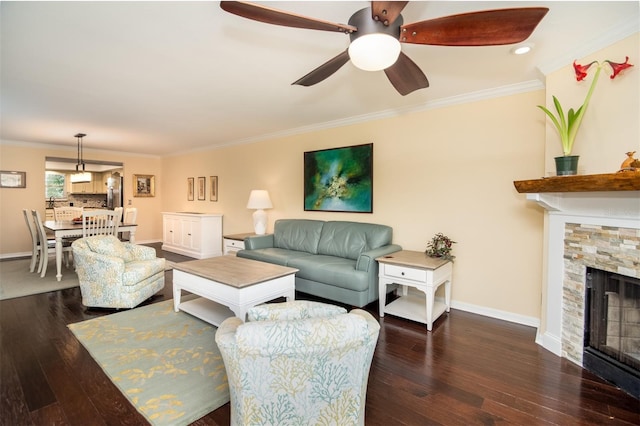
x=54, y=185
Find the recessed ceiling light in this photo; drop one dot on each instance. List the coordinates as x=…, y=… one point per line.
x=522, y=49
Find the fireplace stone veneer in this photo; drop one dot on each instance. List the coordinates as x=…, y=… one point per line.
x=611, y=249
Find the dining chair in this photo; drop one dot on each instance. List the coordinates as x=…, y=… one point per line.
x=66, y=213
x=120, y=211
x=100, y=222
x=130, y=216
x=46, y=246
x=28, y=217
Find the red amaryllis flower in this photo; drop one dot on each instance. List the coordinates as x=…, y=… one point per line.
x=618, y=67
x=581, y=70
x=568, y=124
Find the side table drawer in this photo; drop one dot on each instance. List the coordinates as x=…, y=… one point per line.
x=239, y=245
x=405, y=272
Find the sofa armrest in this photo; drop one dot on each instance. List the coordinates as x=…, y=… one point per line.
x=226, y=333
x=367, y=259
x=294, y=310
x=258, y=242
x=139, y=252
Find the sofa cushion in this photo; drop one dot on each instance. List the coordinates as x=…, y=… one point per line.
x=273, y=255
x=108, y=245
x=297, y=234
x=336, y=271
x=349, y=239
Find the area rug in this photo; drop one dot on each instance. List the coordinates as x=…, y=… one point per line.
x=17, y=281
x=166, y=363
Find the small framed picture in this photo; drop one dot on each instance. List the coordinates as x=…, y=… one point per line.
x=190, y=189
x=10, y=179
x=144, y=186
x=202, y=188
x=213, y=191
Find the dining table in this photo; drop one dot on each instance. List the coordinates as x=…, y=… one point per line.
x=68, y=229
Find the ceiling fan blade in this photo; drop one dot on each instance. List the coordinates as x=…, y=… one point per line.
x=278, y=17
x=387, y=11
x=324, y=70
x=406, y=76
x=485, y=28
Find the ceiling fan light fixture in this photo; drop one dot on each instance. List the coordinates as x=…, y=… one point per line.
x=374, y=52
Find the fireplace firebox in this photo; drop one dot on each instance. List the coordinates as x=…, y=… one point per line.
x=612, y=329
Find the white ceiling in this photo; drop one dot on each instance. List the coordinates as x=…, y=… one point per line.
x=160, y=78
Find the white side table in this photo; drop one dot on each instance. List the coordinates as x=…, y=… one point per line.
x=419, y=276
x=235, y=242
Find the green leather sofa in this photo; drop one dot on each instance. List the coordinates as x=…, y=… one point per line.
x=336, y=259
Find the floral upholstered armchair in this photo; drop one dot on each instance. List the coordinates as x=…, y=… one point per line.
x=298, y=363
x=114, y=274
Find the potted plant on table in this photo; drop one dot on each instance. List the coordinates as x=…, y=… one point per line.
x=440, y=246
x=568, y=125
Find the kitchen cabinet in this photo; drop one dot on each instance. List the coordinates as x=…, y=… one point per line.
x=96, y=186
x=197, y=235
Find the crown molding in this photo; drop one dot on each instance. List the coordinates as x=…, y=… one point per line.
x=513, y=89
x=73, y=149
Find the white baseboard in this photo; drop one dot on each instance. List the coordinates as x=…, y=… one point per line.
x=550, y=342
x=497, y=314
x=15, y=255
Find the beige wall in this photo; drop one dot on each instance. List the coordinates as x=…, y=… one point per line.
x=448, y=170
x=29, y=158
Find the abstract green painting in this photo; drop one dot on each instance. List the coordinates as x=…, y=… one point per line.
x=339, y=179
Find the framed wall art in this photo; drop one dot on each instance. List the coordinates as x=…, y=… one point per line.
x=213, y=191
x=9, y=179
x=144, y=186
x=190, y=189
x=339, y=179
x=202, y=188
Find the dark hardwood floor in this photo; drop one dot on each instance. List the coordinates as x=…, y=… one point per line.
x=470, y=370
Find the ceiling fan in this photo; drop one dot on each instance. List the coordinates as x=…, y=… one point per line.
x=377, y=31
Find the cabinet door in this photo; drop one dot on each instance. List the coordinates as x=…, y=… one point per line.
x=191, y=234
x=98, y=183
x=172, y=230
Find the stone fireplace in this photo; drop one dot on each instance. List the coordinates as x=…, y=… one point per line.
x=597, y=229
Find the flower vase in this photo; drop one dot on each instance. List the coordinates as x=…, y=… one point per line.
x=567, y=165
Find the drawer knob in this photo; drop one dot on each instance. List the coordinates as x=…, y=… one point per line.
x=402, y=273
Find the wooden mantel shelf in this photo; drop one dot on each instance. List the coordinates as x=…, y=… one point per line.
x=623, y=181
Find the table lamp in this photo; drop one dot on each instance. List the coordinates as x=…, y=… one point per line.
x=259, y=200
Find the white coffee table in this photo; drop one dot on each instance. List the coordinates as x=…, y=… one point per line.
x=229, y=285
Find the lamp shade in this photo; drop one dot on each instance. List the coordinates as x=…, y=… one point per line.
x=81, y=177
x=259, y=199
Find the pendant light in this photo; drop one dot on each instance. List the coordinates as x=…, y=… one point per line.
x=84, y=176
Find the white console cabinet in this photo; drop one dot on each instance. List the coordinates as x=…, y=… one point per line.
x=197, y=235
